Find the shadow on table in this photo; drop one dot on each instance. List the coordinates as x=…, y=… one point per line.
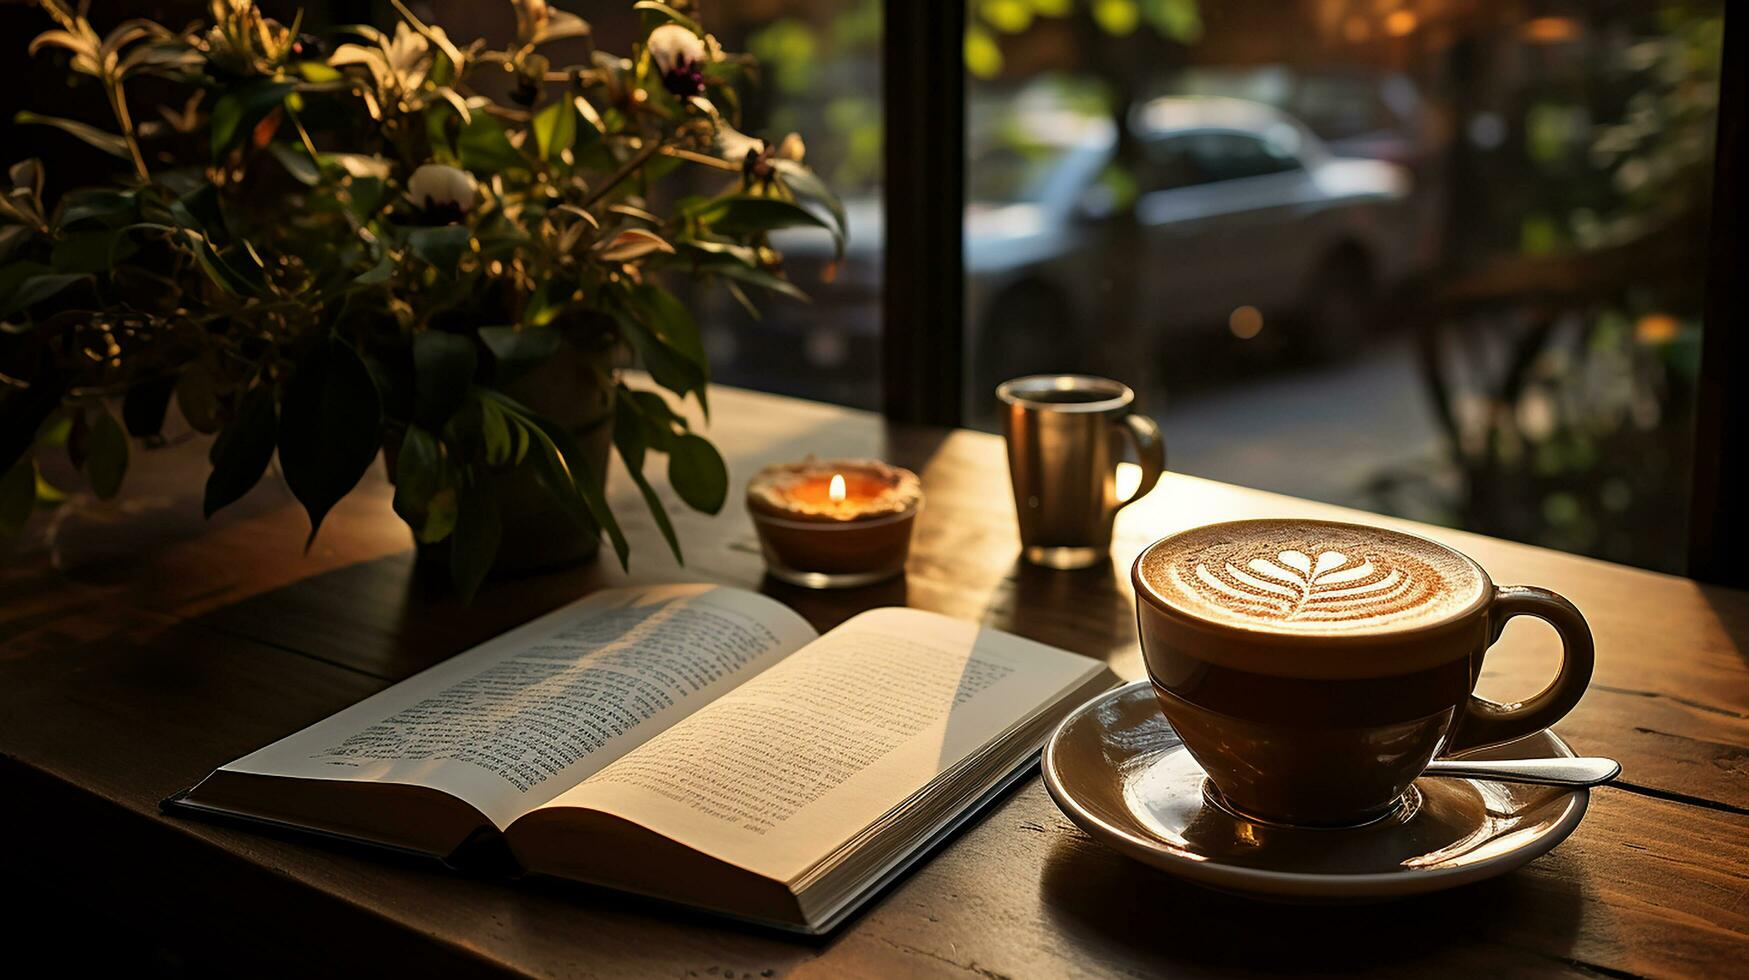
x=824, y=609
x=1732, y=611
x=1057, y=607
x=1149, y=921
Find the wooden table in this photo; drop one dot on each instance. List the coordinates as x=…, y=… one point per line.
x=141, y=647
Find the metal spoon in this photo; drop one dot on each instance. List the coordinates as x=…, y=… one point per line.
x=1547, y=772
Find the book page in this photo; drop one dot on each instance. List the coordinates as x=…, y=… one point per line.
x=523, y=717
x=779, y=772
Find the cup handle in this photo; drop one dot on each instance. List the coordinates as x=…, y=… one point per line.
x=1487, y=722
x=1150, y=453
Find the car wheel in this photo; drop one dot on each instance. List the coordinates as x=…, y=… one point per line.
x=1029, y=329
x=1339, y=308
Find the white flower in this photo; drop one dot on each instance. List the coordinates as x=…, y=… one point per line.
x=680, y=57
x=440, y=188
x=792, y=148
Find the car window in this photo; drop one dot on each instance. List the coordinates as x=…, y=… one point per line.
x=1231, y=156
x=1206, y=158
x=1013, y=174
x=1171, y=165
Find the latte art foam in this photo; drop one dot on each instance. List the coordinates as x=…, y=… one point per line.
x=1310, y=577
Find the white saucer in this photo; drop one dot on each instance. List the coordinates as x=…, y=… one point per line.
x=1118, y=770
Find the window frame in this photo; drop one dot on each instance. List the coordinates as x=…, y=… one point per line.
x=923, y=84
x=922, y=292
x=1718, y=515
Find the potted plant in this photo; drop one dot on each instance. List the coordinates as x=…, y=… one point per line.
x=385, y=240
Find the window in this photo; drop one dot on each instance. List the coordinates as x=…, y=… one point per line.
x=1430, y=259
x=820, y=63
x=1211, y=157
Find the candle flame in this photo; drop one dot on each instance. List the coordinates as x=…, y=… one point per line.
x=836, y=489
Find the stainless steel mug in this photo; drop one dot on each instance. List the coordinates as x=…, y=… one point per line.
x=1065, y=437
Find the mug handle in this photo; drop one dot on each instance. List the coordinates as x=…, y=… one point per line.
x=1487, y=722
x=1150, y=453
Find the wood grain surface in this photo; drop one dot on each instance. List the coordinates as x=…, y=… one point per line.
x=141, y=647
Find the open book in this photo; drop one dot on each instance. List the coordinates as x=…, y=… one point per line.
x=694, y=743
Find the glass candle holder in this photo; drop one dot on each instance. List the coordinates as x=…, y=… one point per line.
x=833, y=524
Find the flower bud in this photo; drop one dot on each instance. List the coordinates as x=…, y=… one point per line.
x=680, y=57
x=443, y=191
x=310, y=47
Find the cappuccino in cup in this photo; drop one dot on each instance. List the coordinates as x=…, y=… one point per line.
x=1313, y=668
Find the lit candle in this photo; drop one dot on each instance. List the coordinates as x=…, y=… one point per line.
x=834, y=523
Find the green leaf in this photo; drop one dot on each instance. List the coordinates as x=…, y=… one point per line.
x=629, y=439
x=200, y=210
x=544, y=304
x=485, y=149
x=740, y=296
x=671, y=320
x=443, y=371
x=555, y=129
x=17, y=496
x=441, y=246
x=82, y=205
x=629, y=434
x=106, y=455
x=328, y=424
x=746, y=215
x=47, y=494
x=588, y=483
x=35, y=289
x=242, y=451
x=667, y=366
x=495, y=434
x=565, y=473
x=14, y=273
x=80, y=253
x=1179, y=20
x=474, y=543
x=317, y=72
x=11, y=238
x=222, y=272
x=660, y=422
x=367, y=201
x=665, y=336
x=54, y=431
x=759, y=277
x=378, y=273
x=807, y=185
x=144, y=405
x=107, y=142
x=424, y=497
x=242, y=106
x=296, y=161
x=698, y=474
x=516, y=349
